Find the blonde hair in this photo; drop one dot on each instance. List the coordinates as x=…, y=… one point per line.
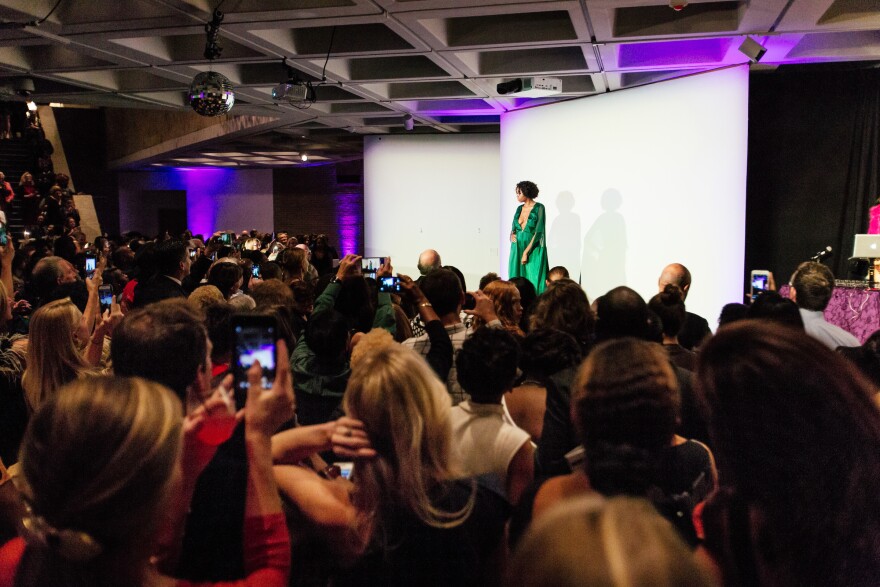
x=406, y=411
x=204, y=296
x=502, y=294
x=619, y=542
x=53, y=357
x=377, y=338
x=4, y=301
x=97, y=460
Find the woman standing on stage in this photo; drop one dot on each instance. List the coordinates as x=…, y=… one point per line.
x=528, y=251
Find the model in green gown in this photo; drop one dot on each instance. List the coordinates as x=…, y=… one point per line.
x=528, y=248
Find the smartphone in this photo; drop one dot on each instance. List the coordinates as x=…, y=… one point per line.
x=91, y=264
x=470, y=302
x=760, y=282
x=105, y=296
x=345, y=469
x=4, y=235
x=226, y=238
x=370, y=265
x=254, y=339
x=192, y=254
x=255, y=272
x=389, y=284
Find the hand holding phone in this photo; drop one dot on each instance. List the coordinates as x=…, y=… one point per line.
x=389, y=285
x=105, y=297
x=254, y=340
x=760, y=282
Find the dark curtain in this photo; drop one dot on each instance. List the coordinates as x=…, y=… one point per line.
x=863, y=180
x=813, y=164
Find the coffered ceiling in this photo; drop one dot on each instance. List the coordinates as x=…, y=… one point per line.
x=436, y=60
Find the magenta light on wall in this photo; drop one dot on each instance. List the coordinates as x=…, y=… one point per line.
x=203, y=185
x=350, y=219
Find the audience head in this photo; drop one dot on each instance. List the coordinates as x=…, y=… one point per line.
x=508, y=305
x=458, y=274
x=796, y=434
x=594, y=542
x=97, y=462
x=271, y=293
x=165, y=342
x=625, y=416
x=53, y=353
x=622, y=312
x=528, y=189
x=547, y=351
x=771, y=306
x=678, y=275
x=271, y=270
x=327, y=335
x=731, y=313
x=226, y=276
x=564, y=306
x=204, y=296
x=50, y=272
x=866, y=358
x=429, y=260
x=527, y=296
x=668, y=305
x=368, y=342
x=811, y=286
x=487, y=364
x=172, y=258
x=443, y=290
x=294, y=262
x=487, y=279
x=558, y=272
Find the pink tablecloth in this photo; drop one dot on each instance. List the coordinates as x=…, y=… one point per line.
x=855, y=309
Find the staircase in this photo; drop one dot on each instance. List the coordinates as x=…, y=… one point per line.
x=16, y=157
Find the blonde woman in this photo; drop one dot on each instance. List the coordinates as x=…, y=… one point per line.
x=407, y=496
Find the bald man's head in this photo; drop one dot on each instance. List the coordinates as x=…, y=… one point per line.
x=676, y=274
x=428, y=261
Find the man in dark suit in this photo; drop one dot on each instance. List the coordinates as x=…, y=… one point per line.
x=695, y=328
x=172, y=266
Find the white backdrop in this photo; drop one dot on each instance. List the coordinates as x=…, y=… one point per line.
x=433, y=192
x=637, y=179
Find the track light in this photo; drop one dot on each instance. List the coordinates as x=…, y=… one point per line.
x=752, y=49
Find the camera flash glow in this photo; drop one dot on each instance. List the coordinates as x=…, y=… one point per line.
x=304, y=157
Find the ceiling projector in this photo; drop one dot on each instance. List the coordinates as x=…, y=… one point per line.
x=290, y=91
x=531, y=87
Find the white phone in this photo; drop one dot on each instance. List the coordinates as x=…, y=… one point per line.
x=760, y=282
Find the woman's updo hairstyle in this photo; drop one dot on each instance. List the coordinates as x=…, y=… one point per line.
x=669, y=307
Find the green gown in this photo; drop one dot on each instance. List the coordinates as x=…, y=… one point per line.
x=536, y=268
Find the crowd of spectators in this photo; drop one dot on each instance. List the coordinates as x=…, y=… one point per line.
x=433, y=434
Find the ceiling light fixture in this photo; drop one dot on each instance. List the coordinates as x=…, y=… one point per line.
x=304, y=157
x=211, y=93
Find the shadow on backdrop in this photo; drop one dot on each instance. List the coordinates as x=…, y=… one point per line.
x=564, y=236
x=603, y=266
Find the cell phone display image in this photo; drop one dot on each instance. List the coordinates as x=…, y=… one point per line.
x=91, y=264
x=254, y=339
x=389, y=284
x=255, y=271
x=370, y=265
x=760, y=282
x=192, y=254
x=226, y=238
x=105, y=297
x=4, y=235
x=345, y=469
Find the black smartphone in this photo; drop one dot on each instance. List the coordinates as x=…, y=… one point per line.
x=370, y=265
x=255, y=272
x=389, y=284
x=254, y=340
x=105, y=297
x=470, y=302
x=4, y=235
x=226, y=238
x=91, y=264
x=192, y=254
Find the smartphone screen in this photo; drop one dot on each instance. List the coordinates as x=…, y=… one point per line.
x=254, y=340
x=192, y=254
x=389, y=284
x=759, y=283
x=255, y=271
x=226, y=238
x=4, y=235
x=91, y=264
x=105, y=296
x=370, y=265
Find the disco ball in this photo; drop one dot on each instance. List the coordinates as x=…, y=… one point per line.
x=211, y=94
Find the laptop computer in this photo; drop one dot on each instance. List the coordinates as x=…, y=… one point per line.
x=866, y=246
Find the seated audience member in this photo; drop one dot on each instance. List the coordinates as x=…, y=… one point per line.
x=695, y=328
x=172, y=266
x=626, y=422
x=731, y=313
x=485, y=442
x=528, y=296
x=564, y=306
x=98, y=501
x=545, y=352
x=487, y=279
x=771, y=306
x=811, y=288
x=557, y=273
x=204, y=296
x=669, y=307
x=594, y=542
x=866, y=358
x=412, y=520
x=508, y=306
x=320, y=360
x=797, y=437
x=49, y=273
x=226, y=274
x=429, y=260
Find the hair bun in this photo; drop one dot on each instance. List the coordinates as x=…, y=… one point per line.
x=672, y=295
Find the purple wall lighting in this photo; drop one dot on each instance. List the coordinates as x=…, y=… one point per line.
x=202, y=185
x=350, y=218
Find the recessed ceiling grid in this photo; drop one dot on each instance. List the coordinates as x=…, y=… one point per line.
x=438, y=61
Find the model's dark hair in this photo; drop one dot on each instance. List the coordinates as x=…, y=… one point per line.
x=769, y=305
x=547, y=351
x=813, y=282
x=528, y=189
x=625, y=416
x=564, y=306
x=487, y=364
x=796, y=432
x=443, y=290
x=668, y=305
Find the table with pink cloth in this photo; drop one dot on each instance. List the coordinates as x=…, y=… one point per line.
x=854, y=308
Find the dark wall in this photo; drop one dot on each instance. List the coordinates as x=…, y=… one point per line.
x=801, y=138
x=84, y=138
